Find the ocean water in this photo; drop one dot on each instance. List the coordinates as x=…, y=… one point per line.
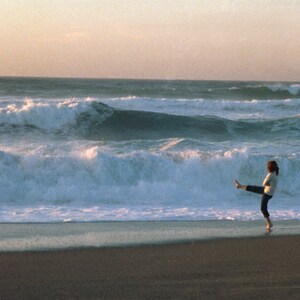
x=129, y=150
x=17, y=237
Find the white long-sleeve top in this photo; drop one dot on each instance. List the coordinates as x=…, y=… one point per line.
x=270, y=183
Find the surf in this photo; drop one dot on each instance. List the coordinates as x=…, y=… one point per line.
x=88, y=150
x=94, y=120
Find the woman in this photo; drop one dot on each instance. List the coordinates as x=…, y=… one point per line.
x=267, y=190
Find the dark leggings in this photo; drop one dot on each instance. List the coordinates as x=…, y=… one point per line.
x=264, y=199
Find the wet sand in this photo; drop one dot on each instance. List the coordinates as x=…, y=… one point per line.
x=247, y=268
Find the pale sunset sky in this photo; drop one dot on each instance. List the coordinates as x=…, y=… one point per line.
x=151, y=39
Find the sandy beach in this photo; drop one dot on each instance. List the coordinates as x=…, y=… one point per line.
x=247, y=268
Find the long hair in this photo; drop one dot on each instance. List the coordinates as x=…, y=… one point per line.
x=273, y=167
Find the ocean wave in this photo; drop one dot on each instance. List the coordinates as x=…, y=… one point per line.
x=101, y=89
x=144, y=149
x=94, y=120
x=49, y=115
x=263, y=91
x=293, y=89
x=54, y=214
x=230, y=109
x=92, y=176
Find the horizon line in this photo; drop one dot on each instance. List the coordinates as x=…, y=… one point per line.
x=141, y=79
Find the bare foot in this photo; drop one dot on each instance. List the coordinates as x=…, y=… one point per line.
x=237, y=184
x=269, y=226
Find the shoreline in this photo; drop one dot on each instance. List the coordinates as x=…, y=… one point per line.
x=232, y=268
x=24, y=237
x=48, y=236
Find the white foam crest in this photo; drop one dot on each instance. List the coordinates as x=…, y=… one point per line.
x=121, y=213
x=44, y=115
x=293, y=89
x=170, y=144
x=127, y=98
x=207, y=155
x=90, y=153
x=87, y=176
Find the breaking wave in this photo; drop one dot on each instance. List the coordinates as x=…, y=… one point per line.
x=97, y=121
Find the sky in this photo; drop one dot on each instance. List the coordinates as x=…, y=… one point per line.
x=151, y=39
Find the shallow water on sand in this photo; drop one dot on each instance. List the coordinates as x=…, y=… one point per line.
x=54, y=236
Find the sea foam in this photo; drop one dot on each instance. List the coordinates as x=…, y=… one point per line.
x=90, y=150
x=86, y=183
